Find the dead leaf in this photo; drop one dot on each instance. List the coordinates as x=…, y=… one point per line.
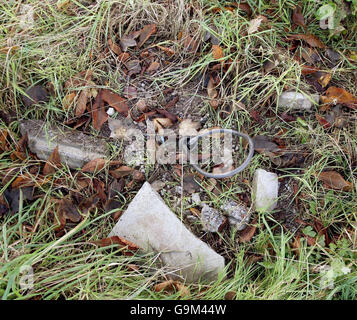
x=311, y=39
x=133, y=66
x=69, y=210
x=120, y=172
x=217, y=52
x=94, y=165
x=338, y=95
x=212, y=93
x=323, y=78
x=127, y=41
x=35, y=95
x=230, y=295
x=68, y=100
x=153, y=66
x=247, y=234
x=8, y=50
x=243, y=6
x=334, y=180
x=99, y=115
x=298, y=18
x=138, y=176
x=82, y=102
x=146, y=33
x=53, y=162
x=168, y=51
x=190, y=44
x=171, y=286
x=114, y=47
x=115, y=101
x=121, y=242
x=189, y=184
x=254, y=24
x=171, y=103
x=195, y=212
x=323, y=122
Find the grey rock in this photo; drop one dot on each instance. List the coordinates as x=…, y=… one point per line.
x=196, y=200
x=211, y=219
x=238, y=214
x=75, y=148
x=265, y=190
x=151, y=225
x=297, y=100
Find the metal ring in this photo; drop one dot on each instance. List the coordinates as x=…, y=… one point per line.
x=193, y=140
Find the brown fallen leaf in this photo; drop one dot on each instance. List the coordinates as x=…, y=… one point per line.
x=217, y=52
x=230, y=295
x=338, y=95
x=145, y=33
x=99, y=116
x=121, y=172
x=94, y=165
x=4, y=144
x=323, y=78
x=115, y=101
x=35, y=95
x=82, y=102
x=323, y=122
x=171, y=286
x=242, y=5
x=68, y=100
x=190, y=44
x=114, y=47
x=53, y=162
x=153, y=66
x=121, y=242
x=311, y=39
x=69, y=210
x=8, y=50
x=212, y=93
x=167, y=50
x=334, y=180
x=127, y=41
x=247, y=234
x=298, y=17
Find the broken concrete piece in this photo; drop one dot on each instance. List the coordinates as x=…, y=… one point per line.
x=151, y=225
x=238, y=214
x=265, y=190
x=75, y=148
x=211, y=219
x=196, y=200
x=297, y=100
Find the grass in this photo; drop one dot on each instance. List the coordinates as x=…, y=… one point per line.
x=62, y=43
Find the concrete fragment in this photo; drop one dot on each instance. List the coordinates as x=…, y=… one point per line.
x=238, y=214
x=196, y=200
x=297, y=100
x=75, y=147
x=211, y=219
x=265, y=190
x=151, y=225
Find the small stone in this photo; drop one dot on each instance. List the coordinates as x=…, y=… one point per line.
x=110, y=111
x=297, y=100
x=196, y=200
x=238, y=214
x=211, y=219
x=75, y=147
x=152, y=226
x=265, y=190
